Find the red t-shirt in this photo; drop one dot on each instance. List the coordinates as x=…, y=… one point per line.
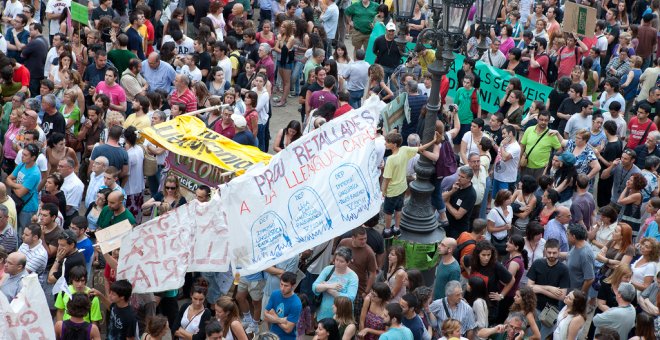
x=342, y=109
x=636, y=132
x=568, y=60
x=228, y=132
x=151, y=35
x=22, y=75
x=538, y=74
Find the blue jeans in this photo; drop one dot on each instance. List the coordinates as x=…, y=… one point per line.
x=219, y=284
x=436, y=199
x=497, y=186
x=261, y=137
x=296, y=76
x=355, y=98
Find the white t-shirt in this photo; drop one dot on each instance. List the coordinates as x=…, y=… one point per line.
x=495, y=215
x=507, y=171
x=73, y=189
x=57, y=7
x=42, y=162
x=472, y=144
x=194, y=76
x=643, y=271
x=135, y=183
x=186, y=46
x=12, y=9
x=3, y=44
x=160, y=159
x=621, y=125
x=226, y=67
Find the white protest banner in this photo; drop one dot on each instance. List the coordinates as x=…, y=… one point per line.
x=27, y=317
x=156, y=255
x=109, y=238
x=319, y=187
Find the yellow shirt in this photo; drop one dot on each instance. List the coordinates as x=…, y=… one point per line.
x=395, y=170
x=140, y=123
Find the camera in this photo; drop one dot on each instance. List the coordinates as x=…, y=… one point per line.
x=532, y=46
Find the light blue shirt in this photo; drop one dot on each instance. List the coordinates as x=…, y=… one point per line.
x=265, y=5
x=555, y=230
x=399, y=333
x=160, y=78
x=652, y=231
x=330, y=19
x=349, y=283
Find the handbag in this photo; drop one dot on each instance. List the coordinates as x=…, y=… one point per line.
x=500, y=244
x=149, y=164
x=524, y=156
x=319, y=297
x=549, y=315
x=72, y=141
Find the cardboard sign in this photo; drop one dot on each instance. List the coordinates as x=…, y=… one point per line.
x=320, y=186
x=109, y=238
x=79, y=13
x=394, y=113
x=27, y=317
x=156, y=255
x=579, y=19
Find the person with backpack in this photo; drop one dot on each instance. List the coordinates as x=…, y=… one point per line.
x=570, y=55
x=76, y=328
x=539, y=62
x=466, y=242
x=448, y=268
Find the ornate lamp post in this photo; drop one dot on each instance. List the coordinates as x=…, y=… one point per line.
x=418, y=222
x=488, y=11
x=403, y=10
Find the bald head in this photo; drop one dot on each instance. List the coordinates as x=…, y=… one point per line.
x=3, y=192
x=116, y=201
x=449, y=244
x=237, y=9
x=153, y=60
x=563, y=215
x=15, y=263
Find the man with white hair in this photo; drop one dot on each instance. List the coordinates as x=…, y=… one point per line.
x=457, y=307
x=99, y=165
x=622, y=317
x=243, y=135
x=182, y=93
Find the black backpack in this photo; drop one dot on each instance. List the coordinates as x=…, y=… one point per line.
x=240, y=58
x=460, y=247
x=552, y=72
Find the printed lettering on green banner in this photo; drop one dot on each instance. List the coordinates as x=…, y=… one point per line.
x=582, y=20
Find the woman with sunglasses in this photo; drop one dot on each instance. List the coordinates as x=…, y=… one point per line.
x=169, y=198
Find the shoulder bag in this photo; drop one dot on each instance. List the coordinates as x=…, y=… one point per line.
x=318, y=298
x=524, y=156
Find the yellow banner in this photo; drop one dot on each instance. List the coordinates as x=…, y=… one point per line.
x=188, y=136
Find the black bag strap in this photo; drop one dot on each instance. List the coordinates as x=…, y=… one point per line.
x=646, y=132
x=327, y=277
x=315, y=257
x=444, y=304
x=537, y=142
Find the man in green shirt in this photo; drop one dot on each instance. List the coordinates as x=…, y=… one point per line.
x=115, y=211
x=536, y=145
x=121, y=56
x=361, y=16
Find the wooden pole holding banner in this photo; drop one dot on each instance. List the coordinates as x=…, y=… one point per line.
x=196, y=112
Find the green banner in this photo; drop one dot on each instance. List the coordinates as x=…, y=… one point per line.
x=79, y=13
x=493, y=80
x=419, y=256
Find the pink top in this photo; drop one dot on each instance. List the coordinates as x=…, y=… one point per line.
x=10, y=136
x=262, y=40
x=506, y=45
x=115, y=92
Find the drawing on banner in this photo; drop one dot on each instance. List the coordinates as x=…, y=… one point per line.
x=269, y=237
x=312, y=191
x=374, y=171
x=308, y=214
x=27, y=317
x=350, y=191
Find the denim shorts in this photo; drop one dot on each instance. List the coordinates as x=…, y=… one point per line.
x=393, y=204
x=287, y=66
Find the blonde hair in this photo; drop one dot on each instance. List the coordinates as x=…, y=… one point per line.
x=114, y=118
x=618, y=273
x=450, y=326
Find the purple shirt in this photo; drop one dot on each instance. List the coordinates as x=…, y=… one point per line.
x=321, y=97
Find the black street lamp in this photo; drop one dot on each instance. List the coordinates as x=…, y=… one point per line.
x=488, y=11
x=418, y=222
x=403, y=10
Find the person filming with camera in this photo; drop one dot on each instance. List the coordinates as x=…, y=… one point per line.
x=538, y=61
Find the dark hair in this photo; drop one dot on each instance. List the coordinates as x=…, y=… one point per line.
x=610, y=126
x=519, y=242
x=156, y=324
x=78, y=305
x=394, y=138
x=579, y=302
x=77, y=273
x=115, y=132
x=553, y=195
x=382, y=290
x=529, y=184
x=54, y=138
x=395, y=311
x=482, y=246
x=51, y=209
x=331, y=326
x=35, y=229
x=644, y=106
x=288, y=277
x=130, y=135
x=411, y=300
x=122, y=288
x=613, y=82
x=606, y=333
x=564, y=84
x=213, y=327
x=478, y=289
x=68, y=236
x=644, y=327
x=552, y=243
x=577, y=231
x=57, y=180
x=415, y=279
x=517, y=53
x=534, y=228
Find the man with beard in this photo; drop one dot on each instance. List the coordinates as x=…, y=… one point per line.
x=549, y=279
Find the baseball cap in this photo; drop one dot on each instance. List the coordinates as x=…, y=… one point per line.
x=390, y=26
x=239, y=121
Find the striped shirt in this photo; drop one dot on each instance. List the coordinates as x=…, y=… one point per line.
x=8, y=239
x=463, y=313
x=37, y=258
x=187, y=97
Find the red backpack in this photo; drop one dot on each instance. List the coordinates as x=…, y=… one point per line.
x=446, y=164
